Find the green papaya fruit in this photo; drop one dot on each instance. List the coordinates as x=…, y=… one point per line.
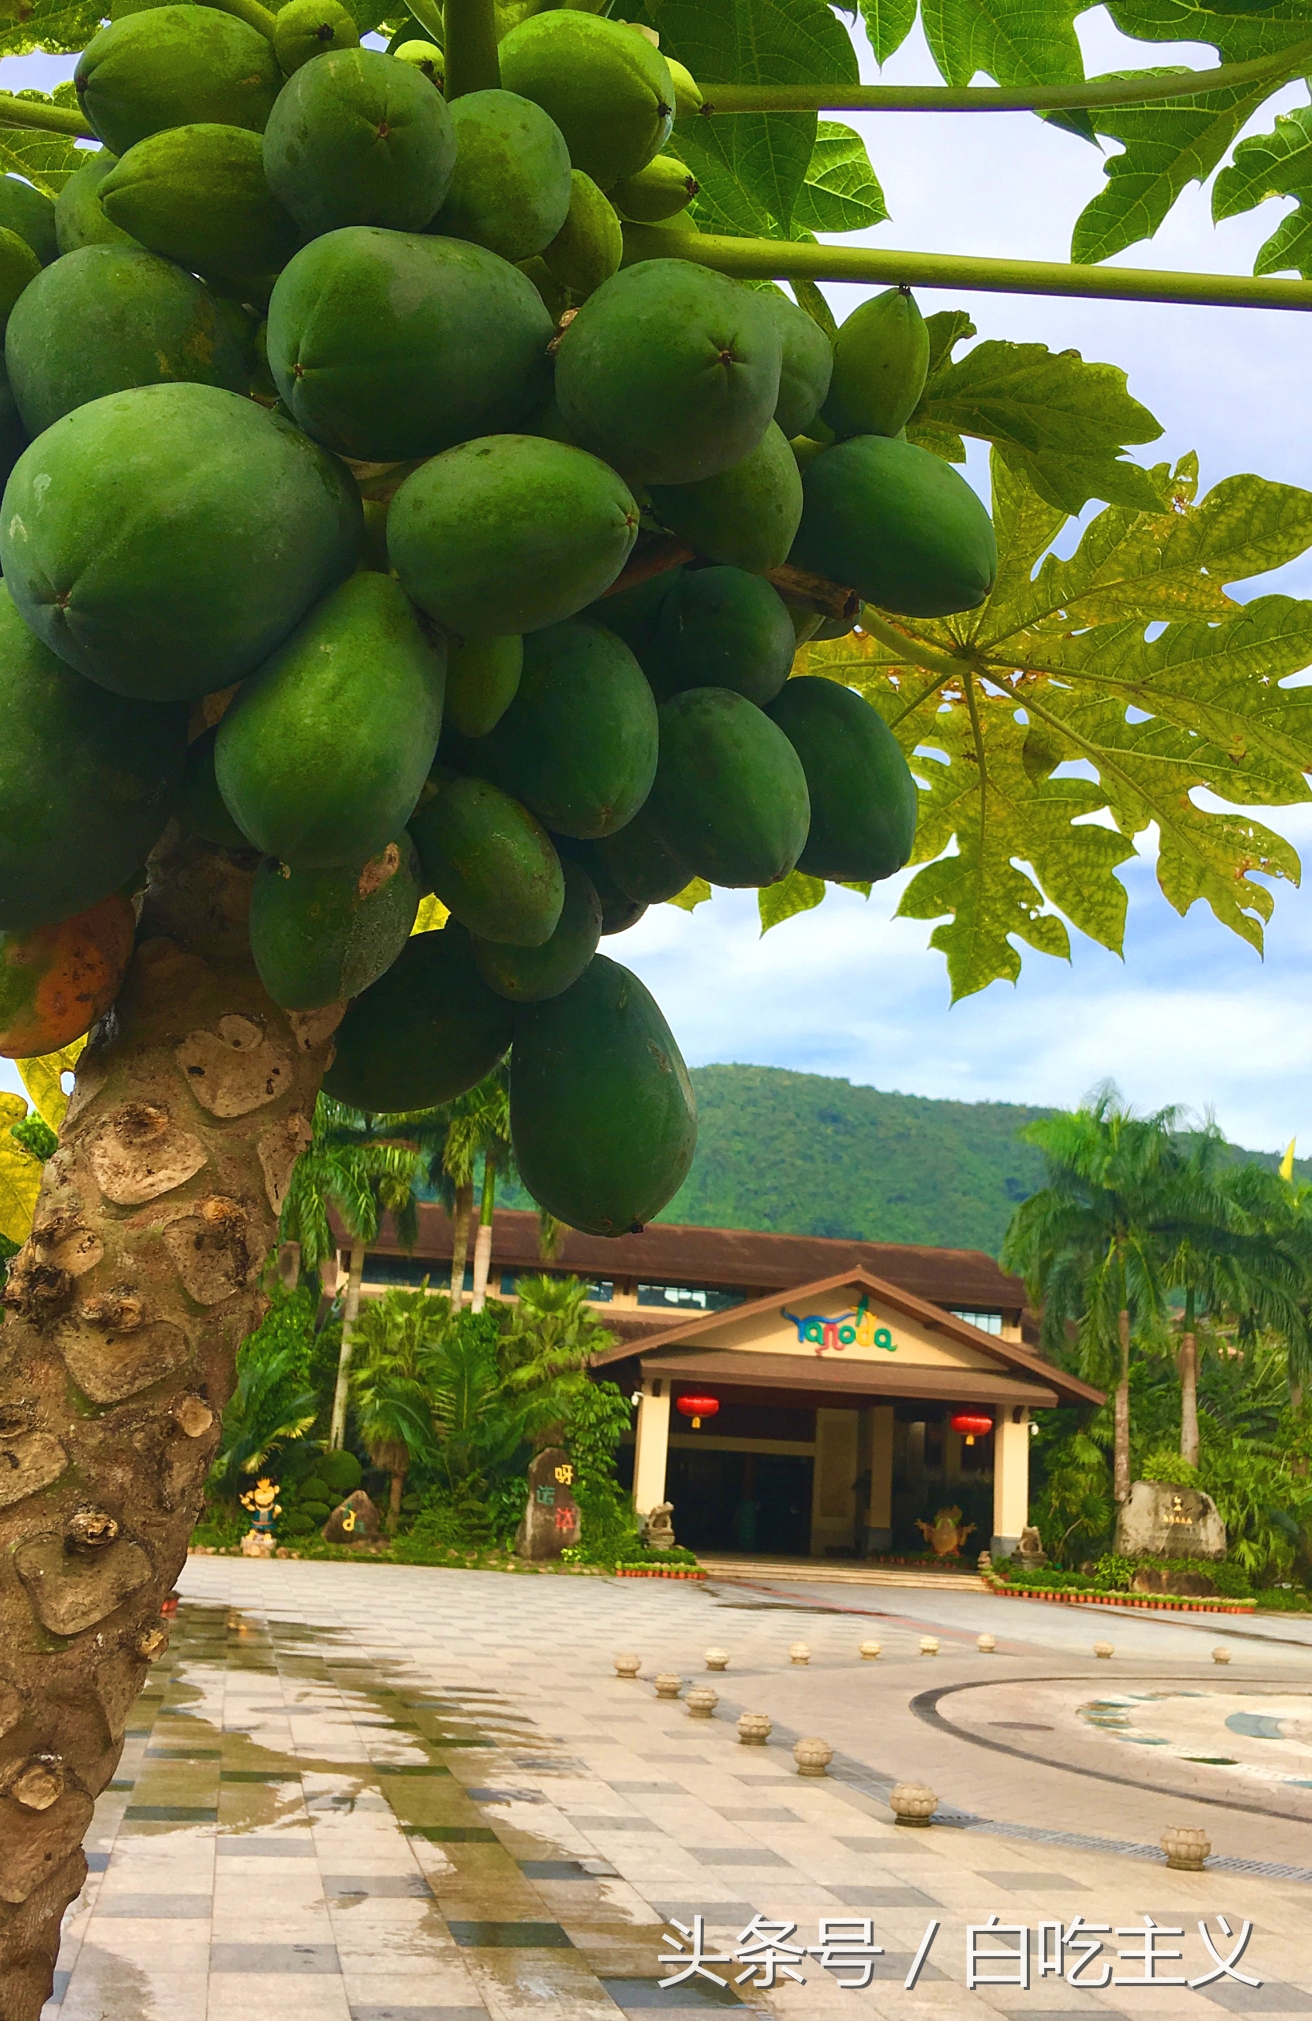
x=79, y=218
x=509, y=533
x=357, y=138
x=308, y=28
x=881, y=360
x=175, y=66
x=360, y=658
x=808, y=363
x=390, y=345
x=722, y=628
x=87, y=781
x=13, y=436
x=19, y=267
x=670, y=372
x=511, y=187
x=111, y=317
x=323, y=936
x=532, y=974
x=746, y=517
x=602, y=1114
x=425, y=1032
x=164, y=540
x=425, y=56
x=608, y=89
x=863, y=797
x=488, y=860
x=555, y=300
x=618, y=910
x=730, y=793
x=688, y=99
x=197, y=195
x=482, y=677
x=661, y=190
x=31, y=214
x=898, y=525
x=632, y=614
x=589, y=245
x=202, y=809
x=578, y=743
x=641, y=863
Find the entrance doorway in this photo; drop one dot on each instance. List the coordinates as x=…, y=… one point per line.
x=757, y=1502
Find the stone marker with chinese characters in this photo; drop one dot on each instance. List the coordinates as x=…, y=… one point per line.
x=354, y=1521
x=1163, y=1521
x=551, y=1519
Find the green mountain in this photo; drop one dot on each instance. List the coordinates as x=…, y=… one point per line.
x=804, y=1154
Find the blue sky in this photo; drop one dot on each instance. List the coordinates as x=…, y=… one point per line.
x=1192, y=1015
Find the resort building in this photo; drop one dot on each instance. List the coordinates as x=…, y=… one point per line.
x=798, y=1395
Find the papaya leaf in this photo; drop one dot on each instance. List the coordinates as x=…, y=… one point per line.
x=792, y=894
x=1052, y=415
x=692, y=895
x=20, y=1182
x=1012, y=41
x=431, y=917
x=841, y=192
x=61, y=26
x=1274, y=164
x=1238, y=30
x=1057, y=669
x=755, y=163
x=1166, y=147
x=45, y=159
x=43, y=1079
x=888, y=24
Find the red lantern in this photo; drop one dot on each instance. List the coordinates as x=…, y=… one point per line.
x=697, y=1408
x=971, y=1426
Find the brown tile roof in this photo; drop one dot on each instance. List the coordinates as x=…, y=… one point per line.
x=738, y=1258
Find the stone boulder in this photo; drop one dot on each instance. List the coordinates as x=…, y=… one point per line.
x=1167, y=1579
x=1162, y=1521
x=354, y=1521
x=551, y=1518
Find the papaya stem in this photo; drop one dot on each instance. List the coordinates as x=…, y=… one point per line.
x=786, y=260
x=914, y=652
x=1093, y=92
x=67, y=119
x=429, y=16
x=472, y=63
x=251, y=12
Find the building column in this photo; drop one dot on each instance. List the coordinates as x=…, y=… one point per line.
x=652, y=1446
x=1011, y=1477
x=879, y=1512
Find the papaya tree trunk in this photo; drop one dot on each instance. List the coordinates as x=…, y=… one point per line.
x=125, y=1309
x=460, y=1243
x=483, y=1240
x=350, y=1313
x=1188, y=1363
x=1121, y=1417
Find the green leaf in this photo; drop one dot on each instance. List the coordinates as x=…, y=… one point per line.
x=43, y=1079
x=1274, y=164
x=45, y=159
x=1053, y=416
x=1166, y=147
x=1055, y=671
x=692, y=895
x=1237, y=29
x=753, y=165
x=1012, y=41
x=61, y=26
x=20, y=1177
x=1290, y=245
x=841, y=193
x=888, y=24
x=792, y=894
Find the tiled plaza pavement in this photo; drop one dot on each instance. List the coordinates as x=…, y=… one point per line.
x=423, y=1795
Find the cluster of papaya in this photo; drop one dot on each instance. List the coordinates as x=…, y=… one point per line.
x=333, y=416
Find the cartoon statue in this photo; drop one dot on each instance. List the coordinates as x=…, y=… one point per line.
x=946, y=1533
x=264, y=1506
x=657, y=1529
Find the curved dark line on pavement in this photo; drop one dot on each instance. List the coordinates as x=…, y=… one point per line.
x=925, y=1707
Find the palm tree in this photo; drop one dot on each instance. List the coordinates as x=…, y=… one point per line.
x=553, y=1331
x=1090, y=1246
x=452, y=1137
x=396, y=1338
x=350, y=1169
x=269, y=1406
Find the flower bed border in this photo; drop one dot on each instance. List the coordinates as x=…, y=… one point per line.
x=1177, y=1603
x=660, y=1572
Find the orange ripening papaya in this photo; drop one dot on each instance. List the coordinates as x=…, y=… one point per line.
x=57, y=980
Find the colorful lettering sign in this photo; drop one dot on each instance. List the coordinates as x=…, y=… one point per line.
x=831, y=1336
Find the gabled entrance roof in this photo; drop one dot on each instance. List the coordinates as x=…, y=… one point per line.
x=963, y=1361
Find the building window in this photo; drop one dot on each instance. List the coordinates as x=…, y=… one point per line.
x=411, y=1270
x=698, y=1297
x=987, y=1322
x=598, y=1290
